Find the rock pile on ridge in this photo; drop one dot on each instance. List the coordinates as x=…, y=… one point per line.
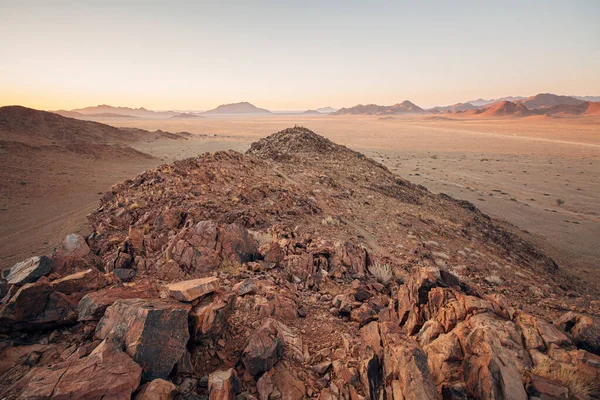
x=301, y=269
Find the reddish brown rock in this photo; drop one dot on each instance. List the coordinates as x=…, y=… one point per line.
x=223, y=385
x=158, y=389
x=405, y=370
x=82, y=282
x=191, y=290
x=29, y=271
x=93, y=305
x=73, y=255
x=363, y=314
x=279, y=380
x=546, y=389
x=263, y=349
x=115, y=376
x=584, y=330
x=209, y=317
x=153, y=332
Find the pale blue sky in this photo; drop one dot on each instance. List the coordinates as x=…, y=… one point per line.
x=293, y=55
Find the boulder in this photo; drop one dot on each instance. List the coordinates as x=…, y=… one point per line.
x=191, y=290
x=584, y=330
x=263, y=349
x=82, y=282
x=405, y=371
x=29, y=271
x=247, y=286
x=37, y=306
x=154, y=332
x=363, y=314
x=158, y=389
x=73, y=255
x=279, y=380
x=545, y=389
x=106, y=373
x=209, y=317
x=93, y=305
x=223, y=385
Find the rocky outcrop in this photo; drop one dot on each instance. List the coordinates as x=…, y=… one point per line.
x=106, y=373
x=153, y=332
x=29, y=271
x=191, y=290
x=263, y=349
x=209, y=317
x=223, y=385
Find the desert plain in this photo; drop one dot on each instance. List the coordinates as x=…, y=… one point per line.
x=539, y=176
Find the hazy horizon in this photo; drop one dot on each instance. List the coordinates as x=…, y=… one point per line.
x=190, y=56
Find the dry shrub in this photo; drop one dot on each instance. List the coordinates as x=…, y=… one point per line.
x=261, y=237
x=580, y=384
x=382, y=272
x=493, y=280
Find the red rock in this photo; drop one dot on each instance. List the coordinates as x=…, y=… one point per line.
x=363, y=314
x=584, y=330
x=93, y=305
x=82, y=282
x=74, y=255
x=158, y=389
x=153, y=332
x=115, y=376
x=280, y=380
x=263, y=349
x=546, y=389
x=29, y=271
x=223, y=385
x=209, y=317
x=191, y=290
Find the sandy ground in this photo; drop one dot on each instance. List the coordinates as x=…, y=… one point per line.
x=513, y=169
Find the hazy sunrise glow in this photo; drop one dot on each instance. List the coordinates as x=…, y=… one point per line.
x=197, y=55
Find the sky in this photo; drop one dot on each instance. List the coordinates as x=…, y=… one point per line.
x=293, y=55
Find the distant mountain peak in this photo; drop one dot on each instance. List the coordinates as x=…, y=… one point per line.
x=242, y=107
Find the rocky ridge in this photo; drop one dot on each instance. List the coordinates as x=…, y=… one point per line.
x=301, y=269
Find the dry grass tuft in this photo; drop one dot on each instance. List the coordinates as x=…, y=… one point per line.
x=262, y=237
x=580, y=384
x=382, y=272
x=493, y=280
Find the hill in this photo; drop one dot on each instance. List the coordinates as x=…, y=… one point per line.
x=311, y=112
x=545, y=100
x=505, y=109
x=238, y=108
x=326, y=110
x=584, y=108
x=482, y=102
x=300, y=269
x=126, y=111
x=186, y=116
x=406, y=107
x=454, y=108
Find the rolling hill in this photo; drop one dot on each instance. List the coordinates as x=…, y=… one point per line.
x=238, y=108
x=406, y=107
x=545, y=100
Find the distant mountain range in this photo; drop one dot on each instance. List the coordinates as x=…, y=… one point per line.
x=406, y=107
x=543, y=103
x=238, y=108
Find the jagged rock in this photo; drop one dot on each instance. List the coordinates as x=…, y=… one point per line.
x=125, y=275
x=93, y=305
x=191, y=290
x=343, y=303
x=263, y=349
x=29, y=271
x=546, y=389
x=82, y=282
x=115, y=376
x=73, y=255
x=153, y=332
x=247, y=286
x=280, y=380
x=363, y=314
x=280, y=307
x=223, y=385
x=584, y=330
x=236, y=245
x=209, y=317
x=158, y=389
x=405, y=371
x=35, y=306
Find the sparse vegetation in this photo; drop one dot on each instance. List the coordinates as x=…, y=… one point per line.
x=382, y=272
x=329, y=220
x=560, y=202
x=493, y=280
x=581, y=385
x=262, y=237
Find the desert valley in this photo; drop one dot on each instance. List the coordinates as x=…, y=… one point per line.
x=300, y=200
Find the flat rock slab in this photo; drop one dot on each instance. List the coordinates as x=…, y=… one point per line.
x=191, y=290
x=30, y=270
x=154, y=332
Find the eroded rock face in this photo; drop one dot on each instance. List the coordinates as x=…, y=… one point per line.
x=280, y=383
x=115, y=376
x=584, y=330
x=223, y=385
x=153, y=332
x=209, y=317
x=263, y=349
x=29, y=271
